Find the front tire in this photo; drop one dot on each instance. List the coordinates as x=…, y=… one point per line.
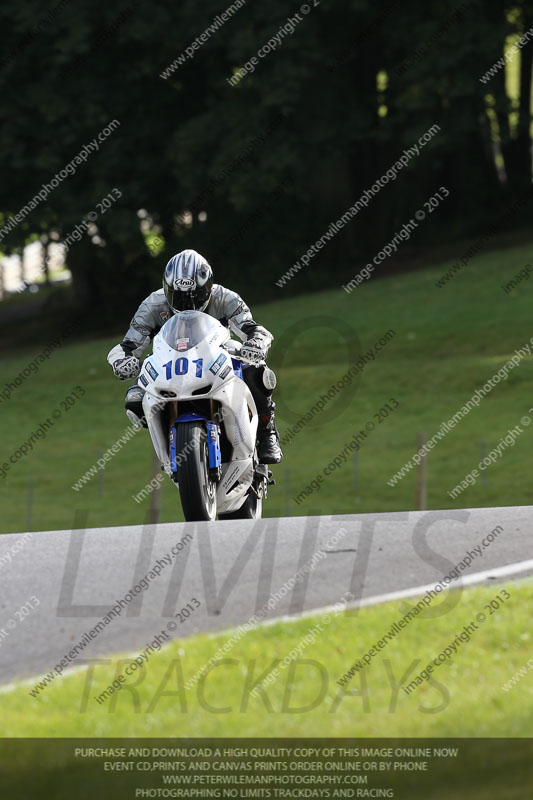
x=198, y=491
x=252, y=508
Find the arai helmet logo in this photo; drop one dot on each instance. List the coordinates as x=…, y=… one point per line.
x=185, y=284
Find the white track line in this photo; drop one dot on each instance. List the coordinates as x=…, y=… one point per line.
x=467, y=580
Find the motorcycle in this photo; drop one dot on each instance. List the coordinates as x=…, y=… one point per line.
x=203, y=420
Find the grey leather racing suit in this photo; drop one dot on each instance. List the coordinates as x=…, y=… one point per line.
x=226, y=306
x=153, y=312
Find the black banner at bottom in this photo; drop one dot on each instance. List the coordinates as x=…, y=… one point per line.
x=406, y=769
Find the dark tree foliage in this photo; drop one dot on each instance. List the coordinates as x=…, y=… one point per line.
x=269, y=162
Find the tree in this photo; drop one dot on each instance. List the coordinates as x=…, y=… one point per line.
x=252, y=174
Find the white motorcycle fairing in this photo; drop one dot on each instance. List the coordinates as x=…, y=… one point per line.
x=189, y=363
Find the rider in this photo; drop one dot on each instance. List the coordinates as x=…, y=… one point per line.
x=188, y=285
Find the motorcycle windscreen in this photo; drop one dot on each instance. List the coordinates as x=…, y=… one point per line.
x=188, y=328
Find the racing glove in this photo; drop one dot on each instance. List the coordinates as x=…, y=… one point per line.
x=253, y=352
x=255, y=349
x=126, y=368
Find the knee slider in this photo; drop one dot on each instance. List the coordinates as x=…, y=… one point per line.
x=134, y=395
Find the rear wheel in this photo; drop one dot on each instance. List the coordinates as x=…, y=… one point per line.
x=252, y=508
x=197, y=486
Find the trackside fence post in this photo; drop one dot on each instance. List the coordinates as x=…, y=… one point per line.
x=421, y=476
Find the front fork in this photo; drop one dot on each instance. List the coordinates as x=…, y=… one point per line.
x=213, y=447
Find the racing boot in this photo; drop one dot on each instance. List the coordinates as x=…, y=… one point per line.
x=268, y=447
x=134, y=406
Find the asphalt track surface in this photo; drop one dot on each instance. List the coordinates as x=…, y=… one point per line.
x=232, y=569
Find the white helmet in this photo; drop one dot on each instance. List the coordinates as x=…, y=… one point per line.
x=187, y=282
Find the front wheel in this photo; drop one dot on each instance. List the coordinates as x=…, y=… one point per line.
x=198, y=491
x=252, y=508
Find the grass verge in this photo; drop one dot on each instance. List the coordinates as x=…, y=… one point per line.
x=447, y=342
x=464, y=698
